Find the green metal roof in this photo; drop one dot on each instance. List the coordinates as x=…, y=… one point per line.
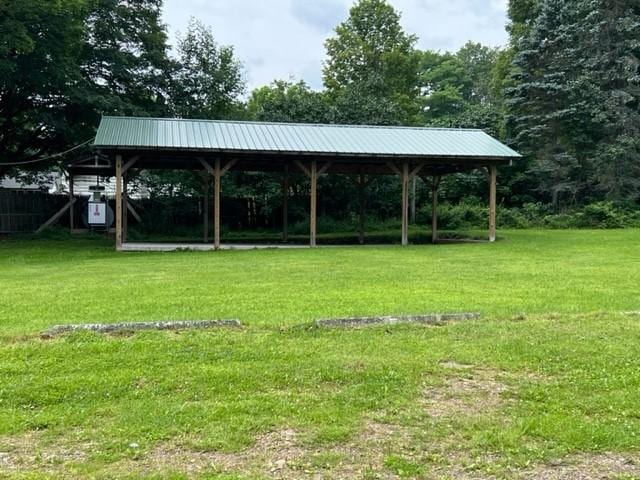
x=214, y=135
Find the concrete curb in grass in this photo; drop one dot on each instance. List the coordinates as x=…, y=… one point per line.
x=134, y=326
x=429, y=319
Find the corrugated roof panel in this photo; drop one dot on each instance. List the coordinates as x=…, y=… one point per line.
x=238, y=142
x=203, y=134
x=415, y=143
x=212, y=135
x=215, y=135
x=289, y=140
x=340, y=140
x=165, y=134
x=247, y=141
x=269, y=138
x=189, y=135
x=259, y=139
x=307, y=140
x=278, y=139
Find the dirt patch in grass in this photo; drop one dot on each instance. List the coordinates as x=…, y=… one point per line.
x=31, y=451
x=469, y=391
x=271, y=453
x=378, y=450
x=280, y=454
x=586, y=466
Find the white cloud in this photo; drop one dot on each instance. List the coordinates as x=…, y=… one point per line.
x=282, y=39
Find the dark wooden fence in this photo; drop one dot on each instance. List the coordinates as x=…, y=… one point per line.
x=25, y=211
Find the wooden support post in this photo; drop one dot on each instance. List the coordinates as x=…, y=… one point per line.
x=412, y=215
x=362, y=201
x=118, y=202
x=405, y=203
x=314, y=203
x=205, y=209
x=125, y=210
x=493, y=171
x=361, y=183
x=285, y=204
x=217, y=176
x=71, y=209
x=434, y=208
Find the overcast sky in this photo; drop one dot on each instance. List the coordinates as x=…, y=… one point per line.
x=284, y=39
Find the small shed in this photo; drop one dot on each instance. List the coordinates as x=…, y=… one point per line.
x=217, y=147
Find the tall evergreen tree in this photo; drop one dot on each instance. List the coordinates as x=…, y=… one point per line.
x=575, y=104
x=614, y=43
x=551, y=107
x=522, y=15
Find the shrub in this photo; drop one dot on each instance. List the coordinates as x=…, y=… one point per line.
x=512, y=218
x=456, y=216
x=602, y=215
x=475, y=214
x=559, y=221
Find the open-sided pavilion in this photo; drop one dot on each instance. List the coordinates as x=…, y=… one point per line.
x=217, y=147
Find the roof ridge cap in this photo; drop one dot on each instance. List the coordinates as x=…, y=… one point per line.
x=300, y=124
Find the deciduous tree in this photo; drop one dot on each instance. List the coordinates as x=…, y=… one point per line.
x=39, y=53
x=208, y=79
x=284, y=101
x=371, y=68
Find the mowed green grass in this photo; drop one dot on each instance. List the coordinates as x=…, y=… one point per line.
x=550, y=370
x=66, y=281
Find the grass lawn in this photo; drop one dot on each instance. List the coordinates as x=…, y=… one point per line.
x=545, y=385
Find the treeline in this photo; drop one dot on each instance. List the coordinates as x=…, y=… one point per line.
x=564, y=92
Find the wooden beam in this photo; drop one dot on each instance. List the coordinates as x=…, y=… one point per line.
x=133, y=211
x=285, y=204
x=493, y=173
x=405, y=203
x=229, y=164
x=412, y=199
x=118, y=201
x=416, y=170
x=362, y=203
x=125, y=200
x=205, y=209
x=394, y=168
x=434, y=208
x=217, y=176
x=314, y=204
x=71, y=209
x=206, y=166
x=324, y=168
x=56, y=216
x=413, y=176
x=303, y=167
x=129, y=164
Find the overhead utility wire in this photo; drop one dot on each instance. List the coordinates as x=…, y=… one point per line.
x=48, y=157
